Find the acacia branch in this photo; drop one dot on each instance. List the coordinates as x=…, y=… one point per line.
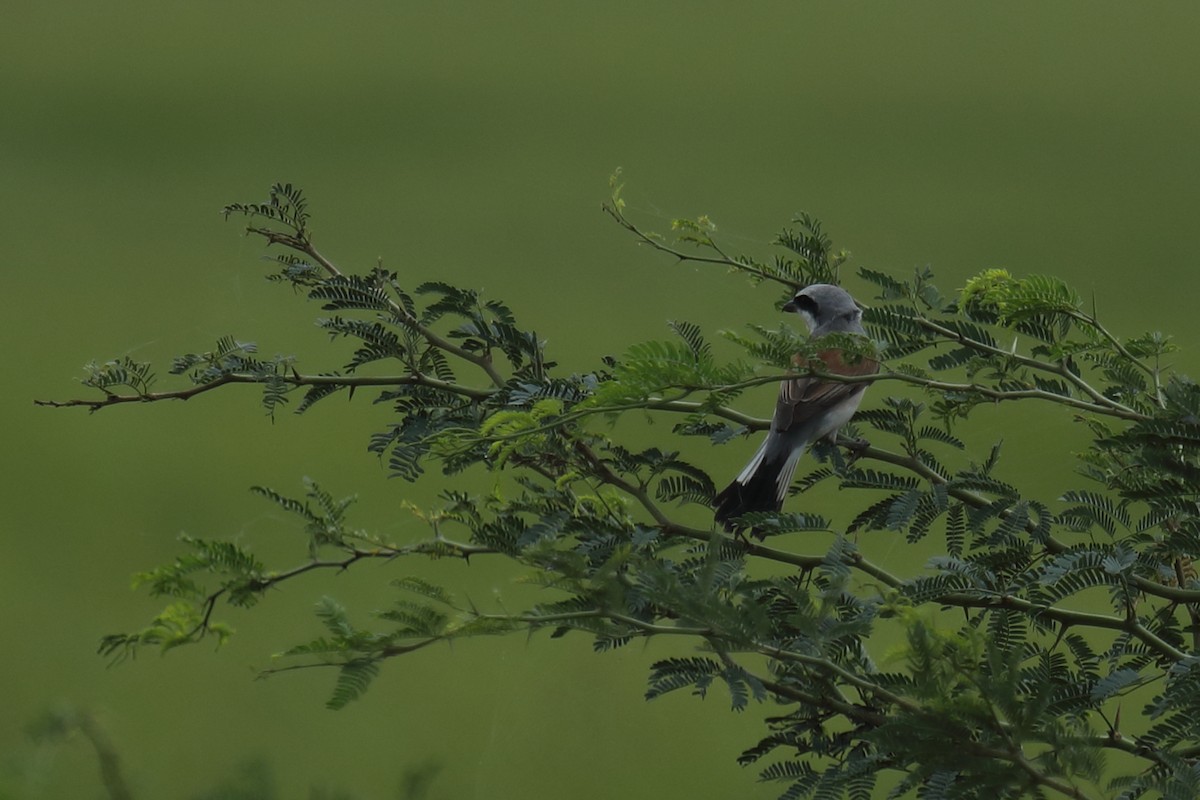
x=861, y=450
x=974, y=499
x=439, y=546
x=1107, y=407
x=858, y=561
x=1092, y=321
x=1068, y=618
x=1058, y=369
x=648, y=628
x=1129, y=624
x=679, y=404
x=391, y=651
x=1153, y=372
x=832, y=701
x=295, y=379
x=742, y=265
x=668, y=526
x=874, y=719
x=302, y=243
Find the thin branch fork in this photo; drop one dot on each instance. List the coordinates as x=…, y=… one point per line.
x=484, y=362
x=722, y=260
x=301, y=242
x=1033, y=363
x=437, y=546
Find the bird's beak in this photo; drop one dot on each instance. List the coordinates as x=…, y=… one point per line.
x=791, y=307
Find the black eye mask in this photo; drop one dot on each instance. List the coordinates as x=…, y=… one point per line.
x=805, y=303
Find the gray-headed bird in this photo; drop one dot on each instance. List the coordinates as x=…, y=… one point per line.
x=808, y=408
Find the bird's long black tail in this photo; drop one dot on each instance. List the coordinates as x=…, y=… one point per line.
x=760, y=491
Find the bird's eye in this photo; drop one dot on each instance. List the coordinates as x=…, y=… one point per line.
x=806, y=303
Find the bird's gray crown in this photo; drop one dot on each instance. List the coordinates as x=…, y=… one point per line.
x=825, y=307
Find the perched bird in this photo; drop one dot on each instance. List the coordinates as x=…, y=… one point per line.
x=808, y=407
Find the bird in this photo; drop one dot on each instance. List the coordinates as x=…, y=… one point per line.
x=809, y=407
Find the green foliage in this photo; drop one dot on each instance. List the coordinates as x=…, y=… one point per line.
x=285, y=205
x=233, y=358
x=698, y=674
x=679, y=367
x=324, y=517
x=119, y=373
x=1046, y=620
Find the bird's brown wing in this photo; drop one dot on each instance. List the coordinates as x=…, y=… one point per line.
x=801, y=399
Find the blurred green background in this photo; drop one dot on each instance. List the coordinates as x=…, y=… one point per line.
x=471, y=143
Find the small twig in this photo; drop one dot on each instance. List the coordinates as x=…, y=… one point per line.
x=723, y=260
x=439, y=546
x=1093, y=321
x=387, y=652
